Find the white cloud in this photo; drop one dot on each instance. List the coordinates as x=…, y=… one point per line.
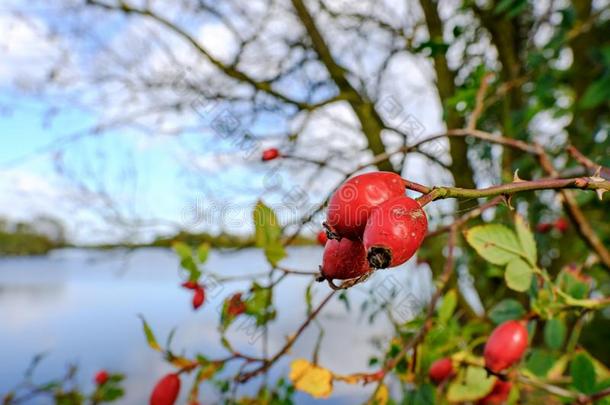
x=27, y=53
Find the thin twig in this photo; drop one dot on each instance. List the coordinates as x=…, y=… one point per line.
x=242, y=378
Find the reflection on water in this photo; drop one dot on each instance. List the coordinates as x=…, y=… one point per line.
x=81, y=306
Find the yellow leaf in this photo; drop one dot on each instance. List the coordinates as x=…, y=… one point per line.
x=181, y=362
x=314, y=380
x=381, y=396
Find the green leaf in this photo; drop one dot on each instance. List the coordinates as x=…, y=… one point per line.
x=445, y=311
x=110, y=393
x=583, y=373
x=472, y=385
x=268, y=233
x=518, y=275
x=506, y=310
x=423, y=395
x=526, y=239
x=554, y=333
x=203, y=252
x=150, y=337
x=540, y=362
x=259, y=305
x=495, y=243
x=503, y=6
x=597, y=93
x=182, y=249
x=189, y=265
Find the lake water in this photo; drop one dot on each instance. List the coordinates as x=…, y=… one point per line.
x=81, y=307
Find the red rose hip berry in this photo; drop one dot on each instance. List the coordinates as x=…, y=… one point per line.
x=561, y=225
x=505, y=346
x=198, y=297
x=441, y=370
x=322, y=238
x=101, y=377
x=394, y=232
x=190, y=285
x=166, y=391
x=270, y=154
x=544, y=227
x=351, y=205
x=344, y=259
x=498, y=395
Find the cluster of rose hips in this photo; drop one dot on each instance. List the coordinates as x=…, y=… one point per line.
x=370, y=224
x=198, y=293
x=505, y=347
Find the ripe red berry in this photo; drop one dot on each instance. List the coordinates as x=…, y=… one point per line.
x=270, y=154
x=351, y=205
x=344, y=259
x=505, y=346
x=101, y=377
x=441, y=370
x=166, y=391
x=236, y=306
x=198, y=297
x=322, y=238
x=561, y=225
x=498, y=395
x=543, y=227
x=394, y=232
x=190, y=285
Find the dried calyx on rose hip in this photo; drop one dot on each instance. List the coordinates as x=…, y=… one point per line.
x=352, y=203
x=166, y=391
x=344, y=259
x=394, y=231
x=441, y=370
x=505, y=346
x=498, y=395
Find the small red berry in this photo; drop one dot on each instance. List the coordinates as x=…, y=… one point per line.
x=544, y=227
x=498, y=395
x=505, y=346
x=166, y=391
x=190, y=285
x=394, y=232
x=198, y=297
x=236, y=306
x=344, y=259
x=561, y=225
x=441, y=370
x=270, y=154
x=322, y=238
x=351, y=205
x=101, y=377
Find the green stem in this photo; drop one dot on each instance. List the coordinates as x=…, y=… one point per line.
x=583, y=183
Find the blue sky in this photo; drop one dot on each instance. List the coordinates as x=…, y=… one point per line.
x=173, y=174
